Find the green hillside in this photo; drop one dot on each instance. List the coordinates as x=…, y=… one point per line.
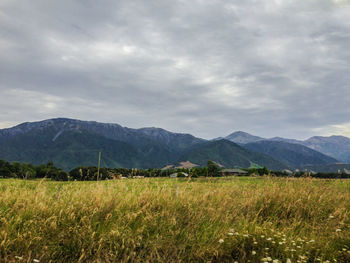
x=229, y=154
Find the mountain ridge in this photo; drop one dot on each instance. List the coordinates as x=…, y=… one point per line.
x=65, y=141
x=335, y=146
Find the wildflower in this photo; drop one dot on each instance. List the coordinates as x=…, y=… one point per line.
x=221, y=241
x=36, y=260
x=338, y=230
x=269, y=259
x=275, y=261
x=288, y=260
x=269, y=239
x=262, y=236
x=253, y=252
x=298, y=246
x=280, y=243
x=17, y=257
x=255, y=243
x=230, y=234
x=245, y=235
x=331, y=217
x=312, y=241
x=266, y=248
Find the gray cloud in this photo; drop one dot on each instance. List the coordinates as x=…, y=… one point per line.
x=203, y=67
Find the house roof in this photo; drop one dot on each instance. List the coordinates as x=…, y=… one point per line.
x=238, y=171
x=175, y=174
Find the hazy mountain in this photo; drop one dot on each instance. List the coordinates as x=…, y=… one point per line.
x=280, y=139
x=294, y=155
x=335, y=146
x=229, y=154
x=242, y=137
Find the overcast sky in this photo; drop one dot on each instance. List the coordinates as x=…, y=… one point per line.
x=205, y=67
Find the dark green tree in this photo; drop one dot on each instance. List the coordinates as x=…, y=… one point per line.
x=213, y=169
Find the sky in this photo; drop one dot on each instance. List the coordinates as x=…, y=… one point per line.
x=209, y=68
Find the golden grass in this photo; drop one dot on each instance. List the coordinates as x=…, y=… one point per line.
x=173, y=220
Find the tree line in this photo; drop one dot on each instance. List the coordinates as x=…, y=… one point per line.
x=48, y=170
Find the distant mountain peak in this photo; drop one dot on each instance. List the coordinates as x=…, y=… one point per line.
x=242, y=137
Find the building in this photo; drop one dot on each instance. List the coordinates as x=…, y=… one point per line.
x=180, y=174
x=231, y=172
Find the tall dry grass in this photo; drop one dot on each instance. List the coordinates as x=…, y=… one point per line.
x=169, y=220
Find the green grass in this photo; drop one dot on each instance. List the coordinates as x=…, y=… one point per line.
x=175, y=220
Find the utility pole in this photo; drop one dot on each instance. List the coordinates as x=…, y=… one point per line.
x=98, y=167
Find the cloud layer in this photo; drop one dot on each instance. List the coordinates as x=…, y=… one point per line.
x=203, y=67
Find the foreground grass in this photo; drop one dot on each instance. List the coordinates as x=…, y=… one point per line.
x=172, y=220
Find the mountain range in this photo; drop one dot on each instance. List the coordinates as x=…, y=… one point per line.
x=70, y=143
x=334, y=146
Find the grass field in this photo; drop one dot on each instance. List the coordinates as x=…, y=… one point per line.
x=173, y=220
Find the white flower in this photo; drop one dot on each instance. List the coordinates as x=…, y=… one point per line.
x=230, y=234
x=36, y=260
x=253, y=252
x=269, y=259
x=312, y=241
x=338, y=230
x=255, y=243
x=331, y=216
x=221, y=241
x=17, y=257
x=275, y=261
x=288, y=260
